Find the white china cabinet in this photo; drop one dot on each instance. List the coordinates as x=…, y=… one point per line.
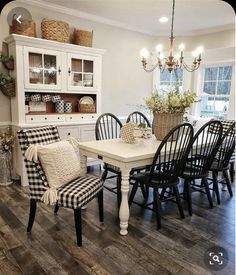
x=46, y=69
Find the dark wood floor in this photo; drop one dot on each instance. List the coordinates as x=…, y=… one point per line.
x=178, y=248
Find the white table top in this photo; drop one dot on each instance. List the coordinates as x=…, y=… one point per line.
x=119, y=150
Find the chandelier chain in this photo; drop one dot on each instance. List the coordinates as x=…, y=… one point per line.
x=172, y=19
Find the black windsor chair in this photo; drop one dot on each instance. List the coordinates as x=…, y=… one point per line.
x=226, y=123
x=221, y=162
x=203, y=149
x=108, y=126
x=166, y=167
x=137, y=118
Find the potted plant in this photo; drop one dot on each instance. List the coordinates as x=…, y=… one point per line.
x=168, y=109
x=7, y=61
x=7, y=85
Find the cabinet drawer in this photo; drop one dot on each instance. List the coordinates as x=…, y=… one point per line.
x=66, y=132
x=44, y=118
x=79, y=117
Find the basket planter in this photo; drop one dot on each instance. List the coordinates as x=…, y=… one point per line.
x=87, y=108
x=9, y=64
x=83, y=38
x=8, y=89
x=164, y=122
x=55, y=30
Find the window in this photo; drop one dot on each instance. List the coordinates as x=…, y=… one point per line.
x=216, y=91
x=171, y=79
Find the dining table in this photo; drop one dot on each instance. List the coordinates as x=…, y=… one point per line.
x=123, y=155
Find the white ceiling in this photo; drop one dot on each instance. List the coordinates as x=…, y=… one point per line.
x=192, y=17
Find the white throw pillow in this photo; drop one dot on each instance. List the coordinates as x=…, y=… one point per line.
x=60, y=163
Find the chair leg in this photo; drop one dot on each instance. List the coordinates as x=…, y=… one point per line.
x=100, y=205
x=208, y=192
x=157, y=205
x=215, y=186
x=142, y=186
x=33, y=206
x=78, y=227
x=56, y=208
x=231, y=171
x=187, y=189
x=226, y=176
x=176, y=193
x=133, y=192
x=162, y=193
x=147, y=191
x=104, y=175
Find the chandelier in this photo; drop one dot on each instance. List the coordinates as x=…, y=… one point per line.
x=171, y=62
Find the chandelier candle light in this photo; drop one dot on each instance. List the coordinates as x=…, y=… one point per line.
x=171, y=62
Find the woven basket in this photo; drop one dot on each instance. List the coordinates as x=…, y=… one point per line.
x=164, y=122
x=55, y=30
x=9, y=64
x=83, y=38
x=26, y=27
x=87, y=108
x=8, y=89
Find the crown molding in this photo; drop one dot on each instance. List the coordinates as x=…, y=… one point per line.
x=114, y=23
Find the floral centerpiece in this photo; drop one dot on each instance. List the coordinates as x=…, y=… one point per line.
x=168, y=109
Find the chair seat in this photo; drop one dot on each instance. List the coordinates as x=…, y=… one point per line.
x=216, y=166
x=79, y=192
x=162, y=180
x=112, y=168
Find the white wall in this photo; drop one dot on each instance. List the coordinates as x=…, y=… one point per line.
x=124, y=83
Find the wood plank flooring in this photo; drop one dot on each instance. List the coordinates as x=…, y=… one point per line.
x=177, y=248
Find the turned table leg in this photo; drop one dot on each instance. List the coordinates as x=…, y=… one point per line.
x=124, y=206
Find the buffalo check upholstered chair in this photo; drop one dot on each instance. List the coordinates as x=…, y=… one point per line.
x=76, y=194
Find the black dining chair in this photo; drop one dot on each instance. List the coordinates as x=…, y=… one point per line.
x=204, y=147
x=108, y=126
x=138, y=118
x=166, y=167
x=74, y=195
x=226, y=123
x=221, y=162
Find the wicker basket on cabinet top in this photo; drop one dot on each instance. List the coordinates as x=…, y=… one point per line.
x=83, y=38
x=25, y=27
x=55, y=30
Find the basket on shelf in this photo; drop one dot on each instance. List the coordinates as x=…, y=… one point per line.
x=83, y=38
x=8, y=89
x=87, y=108
x=26, y=27
x=164, y=122
x=55, y=30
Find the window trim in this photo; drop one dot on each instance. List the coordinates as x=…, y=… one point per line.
x=201, y=76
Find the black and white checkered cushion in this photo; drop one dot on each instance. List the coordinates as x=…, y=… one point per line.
x=79, y=192
x=73, y=195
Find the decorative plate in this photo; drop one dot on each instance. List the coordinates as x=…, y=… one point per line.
x=86, y=100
